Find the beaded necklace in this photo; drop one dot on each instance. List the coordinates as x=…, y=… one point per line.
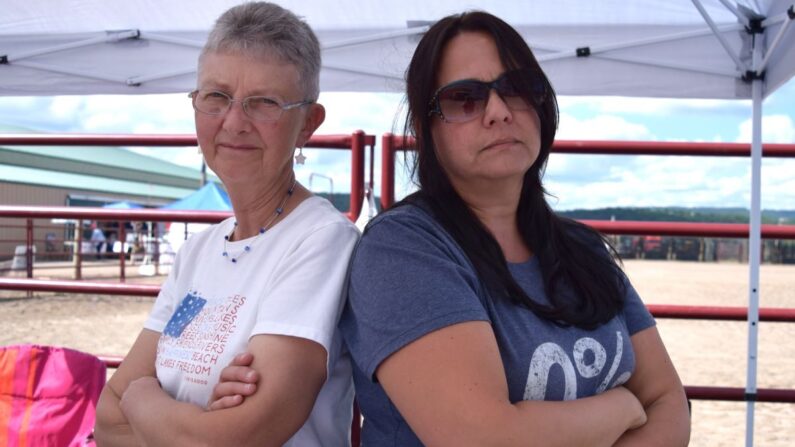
x=247, y=248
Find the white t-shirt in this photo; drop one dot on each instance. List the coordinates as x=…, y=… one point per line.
x=290, y=283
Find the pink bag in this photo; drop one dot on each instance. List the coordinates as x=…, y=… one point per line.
x=48, y=395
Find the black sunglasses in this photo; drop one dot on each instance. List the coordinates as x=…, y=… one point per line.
x=465, y=100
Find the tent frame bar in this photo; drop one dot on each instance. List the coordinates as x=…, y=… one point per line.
x=600, y=51
x=776, y=41
x=663, y=38
x=110, y=37
x=780, y=17
x=138, y=80
x=671, y=65
x=45, y=67
x=360, y=70
x=744, y=20
x=715, y=31
x=155, y=37
x=375, y=37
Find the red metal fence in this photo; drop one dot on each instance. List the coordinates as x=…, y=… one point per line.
x=356, y=142
x=390, y=144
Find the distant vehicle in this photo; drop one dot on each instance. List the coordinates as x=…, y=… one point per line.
x=628, y=246
x=787, y=252
x=652, y=247
x=687, y=248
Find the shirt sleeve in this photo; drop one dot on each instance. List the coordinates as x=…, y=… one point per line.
x=407, y=279
x=636, y=315
x=307, y=291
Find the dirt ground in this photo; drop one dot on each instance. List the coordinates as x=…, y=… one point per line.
x=704, y=352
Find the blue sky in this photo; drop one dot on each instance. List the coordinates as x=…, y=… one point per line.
x=576, y=181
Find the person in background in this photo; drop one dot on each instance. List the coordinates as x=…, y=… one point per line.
x=267, y=281
x=112, y=238
x=475, y=314
x=97, y=239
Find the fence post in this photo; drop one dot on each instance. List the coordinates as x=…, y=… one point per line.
x=29, y=248
x=387, y=171
x=122, y=250
x=78, y=255
x=156, y=254
x=357, y=174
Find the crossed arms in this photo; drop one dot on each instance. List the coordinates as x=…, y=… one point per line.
x=133, y=410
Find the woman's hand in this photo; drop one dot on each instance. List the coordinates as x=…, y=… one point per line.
x=635, y=408
x=657, y=387
x=237, y=381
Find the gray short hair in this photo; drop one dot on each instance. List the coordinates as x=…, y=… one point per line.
x=266, y=28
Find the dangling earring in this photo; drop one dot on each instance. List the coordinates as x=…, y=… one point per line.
x=299, y=157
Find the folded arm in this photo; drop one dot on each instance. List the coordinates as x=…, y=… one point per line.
x=296, y=370
x=112, y=427
x=657, y=386
x=450, y=387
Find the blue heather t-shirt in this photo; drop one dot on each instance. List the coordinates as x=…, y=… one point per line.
x=409, y=277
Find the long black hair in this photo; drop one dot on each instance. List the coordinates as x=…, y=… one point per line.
x=583, y=282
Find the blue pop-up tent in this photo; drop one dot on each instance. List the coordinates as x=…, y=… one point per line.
x=209, y=197
x=123, y=205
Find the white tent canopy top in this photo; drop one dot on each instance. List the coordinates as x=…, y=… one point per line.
x=654, y=48
x=723, y=49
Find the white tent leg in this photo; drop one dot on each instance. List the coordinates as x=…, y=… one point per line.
x=754, y=244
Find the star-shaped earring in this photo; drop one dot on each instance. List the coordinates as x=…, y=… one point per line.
x=300, y=158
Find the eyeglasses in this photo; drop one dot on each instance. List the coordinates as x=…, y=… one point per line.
x=465, y=100
x=258, y=108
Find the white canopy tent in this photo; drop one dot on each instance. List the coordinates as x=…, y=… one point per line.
x=662, y=48
x=724, y=49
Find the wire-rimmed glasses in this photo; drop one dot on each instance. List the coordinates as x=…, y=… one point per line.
x=258, y=108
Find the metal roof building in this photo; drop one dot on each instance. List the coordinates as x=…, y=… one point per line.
x=82, y=176
x=92, y=176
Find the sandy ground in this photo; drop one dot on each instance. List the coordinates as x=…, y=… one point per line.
x=705, y=353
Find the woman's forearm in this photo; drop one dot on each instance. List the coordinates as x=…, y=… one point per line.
x=668, y=424
x=594, y=421
x=149, y=410
x=111, y=428
x=658, y=387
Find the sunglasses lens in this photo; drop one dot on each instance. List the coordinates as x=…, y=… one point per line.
x=466, y=100
x=463, y=101
x=530, y=82
x=507, y=87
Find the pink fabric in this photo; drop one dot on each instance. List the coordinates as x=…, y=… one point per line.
x=48, y=395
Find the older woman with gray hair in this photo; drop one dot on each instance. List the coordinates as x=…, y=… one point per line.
x=267, y=281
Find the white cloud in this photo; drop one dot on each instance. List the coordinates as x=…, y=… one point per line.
x=170, y=113
x=602, y=127
x=659, y=181
x=775, y=129
x=371, y=112
x=650, y=106
x=778, y=183
x=65, y=106
x=580, y=181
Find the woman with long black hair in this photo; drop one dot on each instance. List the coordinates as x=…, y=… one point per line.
x=476, y=315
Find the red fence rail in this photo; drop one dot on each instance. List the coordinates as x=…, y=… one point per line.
x=732, y=313
x=355, y=142
x=391, y=143
x=659, y=311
